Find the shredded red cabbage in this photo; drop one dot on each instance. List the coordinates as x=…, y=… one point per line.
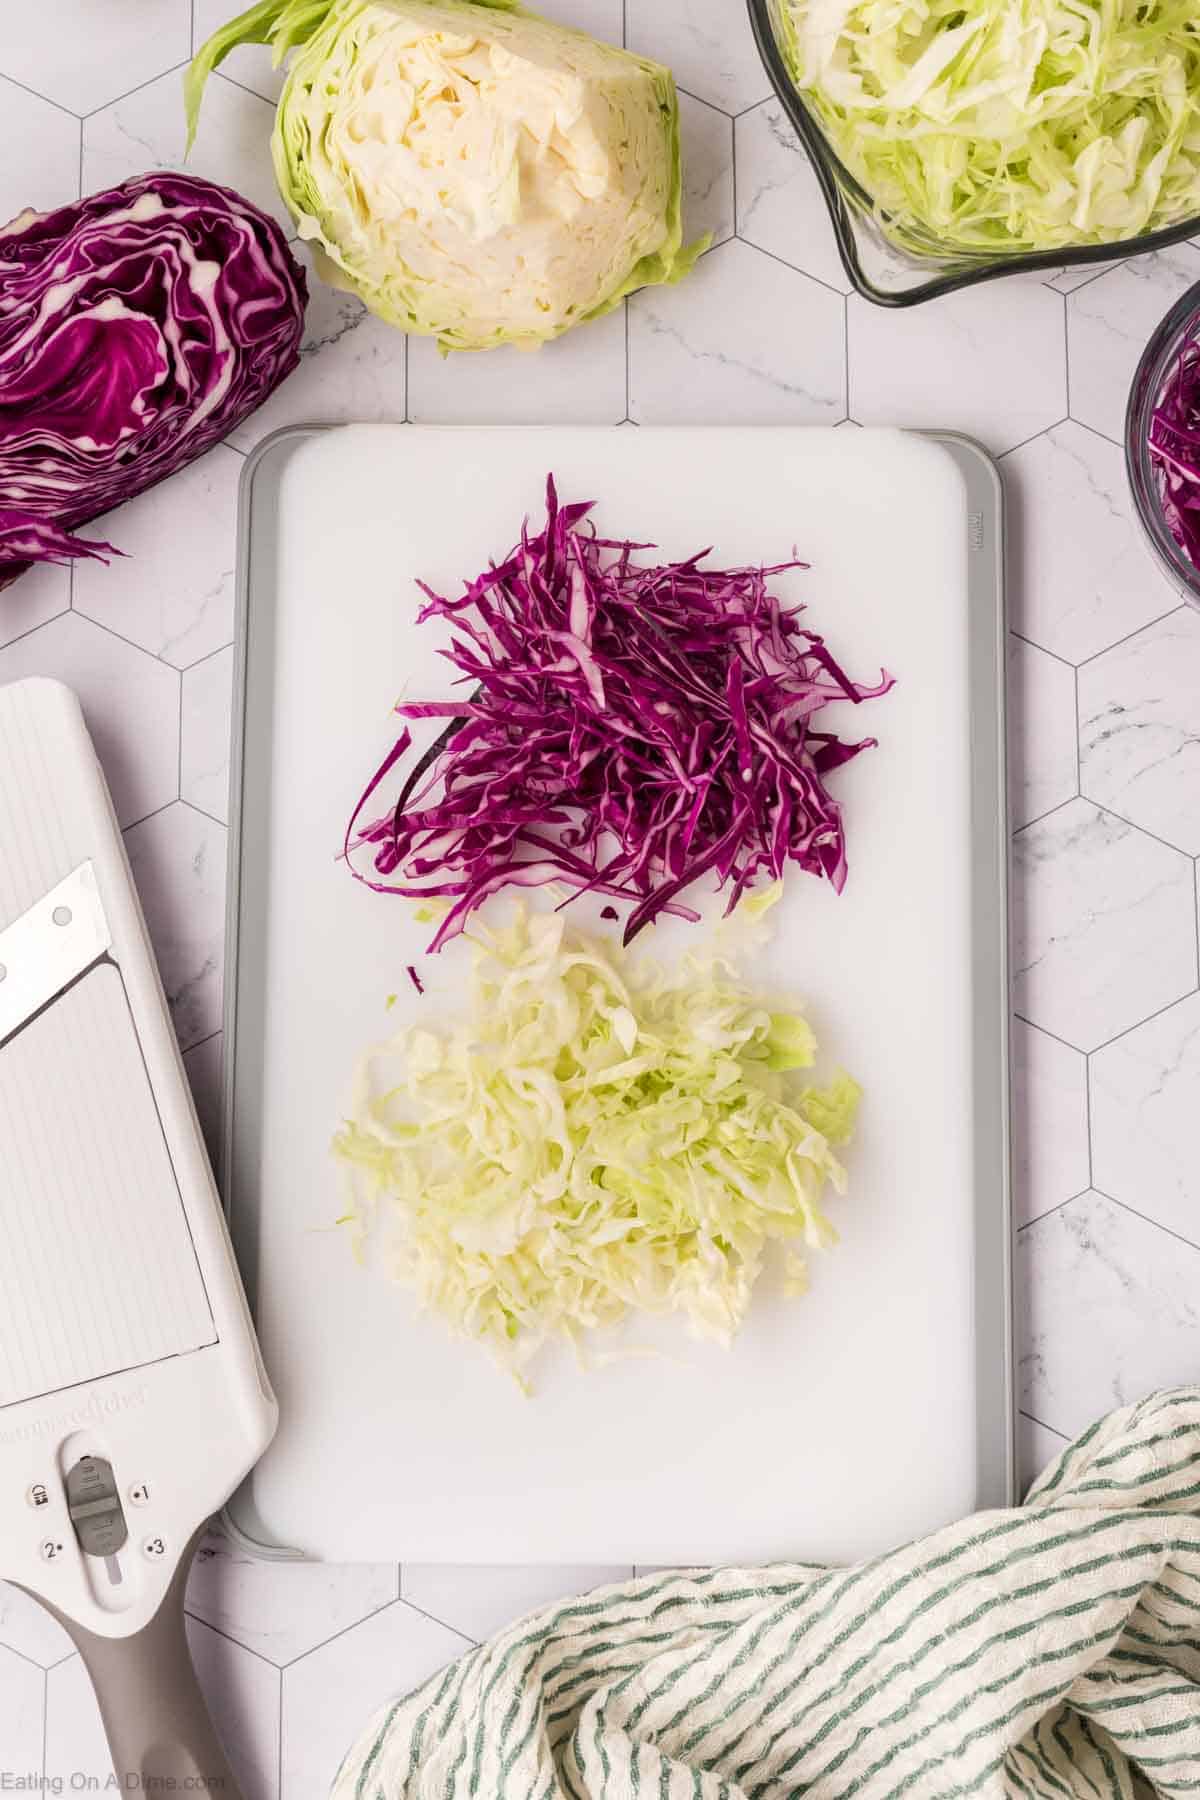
x=137, y=328
x=1174, y=439
x=633, y=727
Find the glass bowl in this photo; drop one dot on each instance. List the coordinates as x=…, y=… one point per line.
x=882, y=269
x=1158, y=359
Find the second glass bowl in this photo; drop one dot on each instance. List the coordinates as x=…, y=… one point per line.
x=882, y=269
x=1161, y=355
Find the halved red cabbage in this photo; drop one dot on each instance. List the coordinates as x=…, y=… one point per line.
x=632, y=727
x=137, y=328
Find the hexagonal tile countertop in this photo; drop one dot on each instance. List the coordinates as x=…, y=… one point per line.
x=1104, y=678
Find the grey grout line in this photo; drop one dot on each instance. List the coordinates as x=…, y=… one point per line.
x=1042, y=817
x=80, y=194
x=279, y=1743
x=45, y=1721
x=1156, y=1014
x=333, y=1637
x=1087, y=1104
x=1134, y=826
x=44, y=98
x=1050, y=1211
x=1146, y=1219
x=21, y=635
x=229, y=1638
x=1078, y=741
x=1028, y=824
x=209, y=656
x=1043, y=431
x=1159, y=618
x=1034, y=645
x=146, y=817
x=24, y=1657
x=119, y=99
x=233, y=82
x=1066, y=353
x=445, y=1625
x=132, y=642
x=1034, y=1420
x=783, y=262
x=1052, y=1035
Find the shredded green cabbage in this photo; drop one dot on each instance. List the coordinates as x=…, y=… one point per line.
x=1008, y=124
x=599, y=1135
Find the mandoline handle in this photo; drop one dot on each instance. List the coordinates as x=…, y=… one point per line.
x=159, y=1731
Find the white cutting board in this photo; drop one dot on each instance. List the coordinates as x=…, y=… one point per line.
x=838, y=1424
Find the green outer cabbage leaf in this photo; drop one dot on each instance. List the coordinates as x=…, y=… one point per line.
x=325, y=199
x=598, y=1136
x=1007, y=125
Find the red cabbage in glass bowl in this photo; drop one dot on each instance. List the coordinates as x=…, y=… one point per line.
x=1162, y=444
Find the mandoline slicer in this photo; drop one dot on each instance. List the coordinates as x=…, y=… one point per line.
x=132, y=1396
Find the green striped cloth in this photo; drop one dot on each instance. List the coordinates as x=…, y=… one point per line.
x=1049, y=1651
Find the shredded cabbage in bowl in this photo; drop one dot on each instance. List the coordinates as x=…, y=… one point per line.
x=1016, y=125
x=597, y=1136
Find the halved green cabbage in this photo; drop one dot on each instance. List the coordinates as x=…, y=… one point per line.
x=1008, y=124
x=472, y=171
x=596, y=1136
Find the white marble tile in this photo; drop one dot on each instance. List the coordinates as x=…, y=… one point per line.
x=707, y=43
x=1146, y=1096
x=576, y=379
x=243, y=1695
x=1139, y=729
x=329, y=1696
x=283, y=1610
x=1037, y=1448
x=989, y=361
x=205, y=1067
x=1104, y=925
x=1108, y=323
x=352, y=366
x=147, y=130
x=76, y=1748
x=172, y=591
x=1109, y=1310
x=742, y=341
x=1049, y=1122
x=1042, y=744
x=178, y=863
x=28, y=1628
x=22, y=1697
x=706, y=146
x=39, y=152
x=36, y=597
x=83, y=56
x=780, y=206
x=1079, y=577
x=481, y=1601
x=249, y=65
x=205, y=728
x=130, y=702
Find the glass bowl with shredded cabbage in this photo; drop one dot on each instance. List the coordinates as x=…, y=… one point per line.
x=958, y=140
x=1162, y=444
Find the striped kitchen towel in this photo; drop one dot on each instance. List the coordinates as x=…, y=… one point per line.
x=1045, y=1652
